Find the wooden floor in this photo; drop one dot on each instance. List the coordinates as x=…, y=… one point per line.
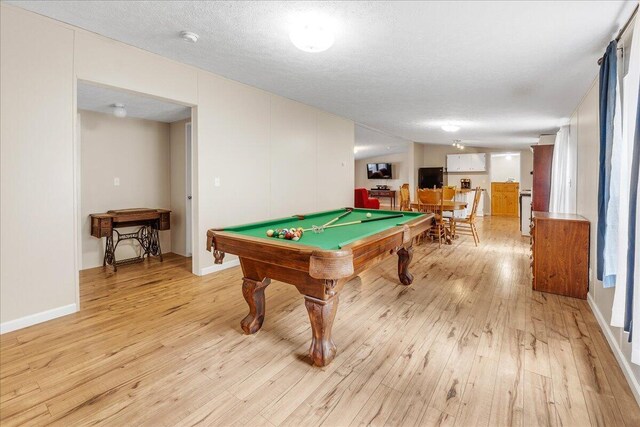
x=468, y=344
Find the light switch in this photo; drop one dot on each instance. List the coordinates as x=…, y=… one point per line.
x=216, y=181
x=116, y=182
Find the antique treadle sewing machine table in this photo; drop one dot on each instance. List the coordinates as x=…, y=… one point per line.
x=150, y=221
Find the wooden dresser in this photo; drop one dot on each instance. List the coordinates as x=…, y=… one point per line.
x=560, y=254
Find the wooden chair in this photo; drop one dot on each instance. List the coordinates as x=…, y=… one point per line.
x=432, y=201
x=405, y=198
x=449, y=192
x=467, y=226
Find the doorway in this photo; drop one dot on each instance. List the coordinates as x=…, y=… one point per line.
x=505, y=167
x=132, y=151
x=505, y=184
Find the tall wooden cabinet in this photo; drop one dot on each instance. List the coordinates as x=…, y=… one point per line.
x=542, y=160
x=560, y=254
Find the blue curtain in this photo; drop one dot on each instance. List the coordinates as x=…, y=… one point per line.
x=633, y=210
x=608, y=75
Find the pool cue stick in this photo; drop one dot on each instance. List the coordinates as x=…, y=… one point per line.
x=338, y=217
x=359, y=221
x=362, y=221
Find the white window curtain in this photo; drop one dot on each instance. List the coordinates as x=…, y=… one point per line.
x=563, y=173
x=630, y=88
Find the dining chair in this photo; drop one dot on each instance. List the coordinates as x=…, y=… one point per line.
x=449, y=192
x=467, y=226
x=405, y=198
x=432, y=201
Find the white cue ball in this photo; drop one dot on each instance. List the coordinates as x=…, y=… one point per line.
x=368, y=214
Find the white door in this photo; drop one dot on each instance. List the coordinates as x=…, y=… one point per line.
x=188, y=211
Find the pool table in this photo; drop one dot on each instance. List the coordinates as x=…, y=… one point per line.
x=319, y=264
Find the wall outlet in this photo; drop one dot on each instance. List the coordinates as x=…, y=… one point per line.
x=216, y=181
x=116, y=182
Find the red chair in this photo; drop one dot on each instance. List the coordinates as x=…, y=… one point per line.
x=362, y=200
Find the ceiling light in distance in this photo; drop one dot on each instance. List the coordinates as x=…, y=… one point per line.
x=119, y=110
x=312, y=34
x=188, y=36
x=450, y=128
x=355, y=150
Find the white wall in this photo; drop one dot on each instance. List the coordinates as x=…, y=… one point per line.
x=240, y=134
x=135, y=151
x=585, y=120
x=400, y=170
x=526, y=167
x=504, y=168
x=38, y=225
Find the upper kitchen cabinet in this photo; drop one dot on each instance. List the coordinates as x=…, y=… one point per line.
x=472, y=162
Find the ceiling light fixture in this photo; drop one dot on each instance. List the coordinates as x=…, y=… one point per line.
x=119, y=110
x=450, y=128
x=312, y=34
x=355, y=150
x=188, y=36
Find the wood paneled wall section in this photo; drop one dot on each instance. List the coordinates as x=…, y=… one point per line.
x=542, y=160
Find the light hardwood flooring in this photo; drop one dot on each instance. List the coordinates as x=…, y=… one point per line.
x=468, y=344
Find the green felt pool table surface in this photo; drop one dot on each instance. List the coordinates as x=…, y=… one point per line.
x=331, y=238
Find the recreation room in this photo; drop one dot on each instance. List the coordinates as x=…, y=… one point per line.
x=319, y=213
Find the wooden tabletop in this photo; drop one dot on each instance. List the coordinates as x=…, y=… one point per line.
x=448, y=205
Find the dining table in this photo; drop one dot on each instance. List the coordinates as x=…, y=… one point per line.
x=447, y=206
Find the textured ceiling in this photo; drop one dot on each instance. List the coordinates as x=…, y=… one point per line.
x=371, y=143
x=100, y=99
x=506, y=71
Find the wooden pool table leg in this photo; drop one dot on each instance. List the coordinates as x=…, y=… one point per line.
x=321, y=315
x=253, y=292
x=404, y=259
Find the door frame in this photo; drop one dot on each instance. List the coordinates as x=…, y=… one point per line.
x=77, y=172
x=188, y=207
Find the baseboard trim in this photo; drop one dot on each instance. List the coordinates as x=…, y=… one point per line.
x=219, y=267
x=33, y=319
x=617, y=351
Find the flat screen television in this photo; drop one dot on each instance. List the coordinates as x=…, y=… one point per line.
x=379, y=171
x=430, y=177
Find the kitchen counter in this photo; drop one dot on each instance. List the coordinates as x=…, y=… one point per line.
x=467, y=190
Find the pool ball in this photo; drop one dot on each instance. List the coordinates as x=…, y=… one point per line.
x=368, y=214
x=270, y=233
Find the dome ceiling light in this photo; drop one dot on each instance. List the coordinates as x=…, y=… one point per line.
x=312, y=34
x=450, y=128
